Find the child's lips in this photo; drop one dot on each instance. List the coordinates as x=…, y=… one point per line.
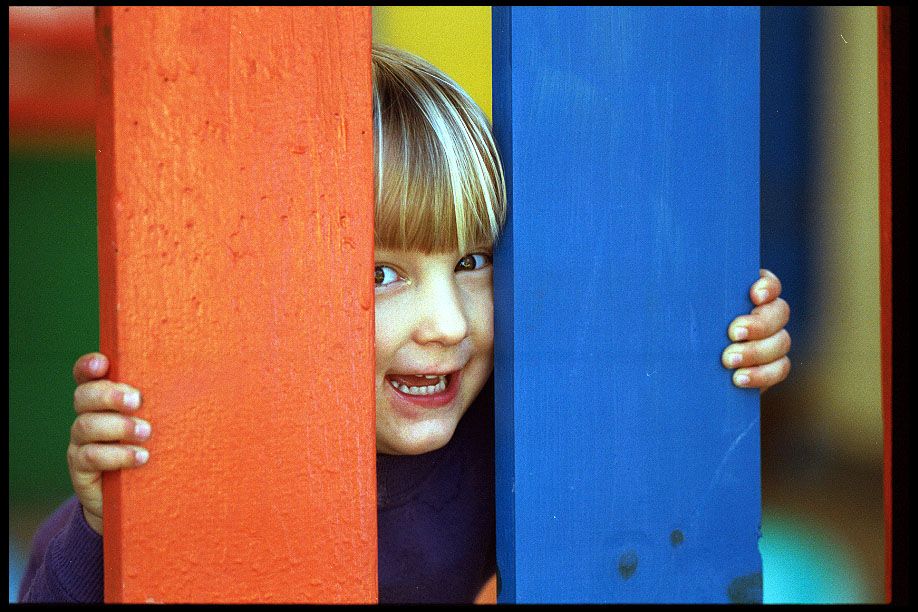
x=438, y=392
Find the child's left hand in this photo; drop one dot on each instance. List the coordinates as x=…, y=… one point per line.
x=760, y=342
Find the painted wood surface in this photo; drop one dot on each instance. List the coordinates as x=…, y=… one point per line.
x=235, y=193
x=884, y=159
x=627, y=462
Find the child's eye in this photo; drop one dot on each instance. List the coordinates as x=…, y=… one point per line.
x=385, y=276
x=474, y=261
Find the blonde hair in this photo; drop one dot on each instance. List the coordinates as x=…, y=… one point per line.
x=439, y=181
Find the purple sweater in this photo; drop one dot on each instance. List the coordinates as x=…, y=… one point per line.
x=435, y=518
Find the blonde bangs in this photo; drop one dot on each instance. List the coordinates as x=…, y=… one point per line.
x=439, y=183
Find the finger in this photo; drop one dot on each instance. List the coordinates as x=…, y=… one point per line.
x=90, y=366
x=757, y=352
x=762, y=322
x=766, y=289
x=101, y=395
x=108, y=427
x=88, y=460
x=764, y=376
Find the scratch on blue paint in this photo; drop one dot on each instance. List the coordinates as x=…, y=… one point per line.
x=723, y=461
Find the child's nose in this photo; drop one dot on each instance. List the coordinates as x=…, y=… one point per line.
x=442, y=316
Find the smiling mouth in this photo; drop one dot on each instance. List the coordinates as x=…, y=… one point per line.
x=426, y=390
x=419, y=384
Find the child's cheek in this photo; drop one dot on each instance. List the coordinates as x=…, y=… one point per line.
x=387, y=325
x=483, y=306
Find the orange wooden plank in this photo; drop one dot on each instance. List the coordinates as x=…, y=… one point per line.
x=884, y=122
x=235, y=261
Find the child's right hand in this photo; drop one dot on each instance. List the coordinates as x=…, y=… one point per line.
x=101, y=438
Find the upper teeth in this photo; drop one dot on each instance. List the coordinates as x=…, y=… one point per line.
x=422, y=390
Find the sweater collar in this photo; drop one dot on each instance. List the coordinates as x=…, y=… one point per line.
x=399, y=476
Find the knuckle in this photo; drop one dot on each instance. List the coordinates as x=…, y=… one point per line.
x=775, y=283
x=130, y=427
x=765, y=310
x=110, y=396
x=107, y=395
x=72, y=450
x=751, y=353
x=99, y=458
x=760, y=311
x=87, y=457
x=783, y=309
x=82, y=428
x=88, y=395
x=785, y=341
x=773, y=317
x=750, y=322
x=775, y=372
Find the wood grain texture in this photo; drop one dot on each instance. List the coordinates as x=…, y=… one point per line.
x=235, y=257
x=627, y=462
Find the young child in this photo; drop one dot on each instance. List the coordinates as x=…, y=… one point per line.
x=440, y=205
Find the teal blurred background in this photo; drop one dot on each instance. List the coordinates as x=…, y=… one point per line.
x=822, y=434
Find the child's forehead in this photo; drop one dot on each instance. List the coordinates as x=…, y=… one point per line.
x=419, y=254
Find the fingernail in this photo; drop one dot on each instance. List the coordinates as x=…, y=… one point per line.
x=142, y=430
x=141, y=456
x=95, y=363
x=761, y=294
x=740, y=333
x=131, y=399
x=734, y=358
x=741, y=379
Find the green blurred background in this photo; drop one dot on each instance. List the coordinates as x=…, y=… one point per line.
x=822, y=428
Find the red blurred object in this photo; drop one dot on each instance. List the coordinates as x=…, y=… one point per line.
x=884, y=122
x=52, y=73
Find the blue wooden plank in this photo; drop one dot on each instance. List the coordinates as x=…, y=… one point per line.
x=627, y=462
x=788, y=51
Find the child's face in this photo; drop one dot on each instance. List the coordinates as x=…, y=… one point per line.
x=434, y=316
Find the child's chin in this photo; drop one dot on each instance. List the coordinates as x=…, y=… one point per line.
x=424, y=443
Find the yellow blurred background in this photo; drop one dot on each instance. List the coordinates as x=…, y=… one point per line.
x=822, y=428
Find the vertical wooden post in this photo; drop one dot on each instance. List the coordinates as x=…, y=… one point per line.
x=235, y=192
x=627, y=462
x=884, y=159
